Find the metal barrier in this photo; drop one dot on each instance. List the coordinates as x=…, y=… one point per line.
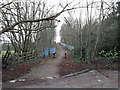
x=71, y=48
x=50, y=51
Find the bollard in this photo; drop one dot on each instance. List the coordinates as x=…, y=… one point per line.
x=65, y=55
x=53, y=55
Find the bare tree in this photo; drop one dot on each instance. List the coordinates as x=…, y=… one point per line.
x=26, y=24
x=95, y=34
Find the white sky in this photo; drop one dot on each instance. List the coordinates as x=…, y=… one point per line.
x=56, y=3
x=74, y=14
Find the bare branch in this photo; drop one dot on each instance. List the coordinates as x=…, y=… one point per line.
x=5, y=5
x=37, y=20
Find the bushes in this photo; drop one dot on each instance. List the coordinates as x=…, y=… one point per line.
x=110, y=54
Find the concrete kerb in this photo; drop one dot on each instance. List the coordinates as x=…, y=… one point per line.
x=75, y=74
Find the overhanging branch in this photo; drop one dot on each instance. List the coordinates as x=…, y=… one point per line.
x=37, y=20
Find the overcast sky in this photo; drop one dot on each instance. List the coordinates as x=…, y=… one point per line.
x=75, y=14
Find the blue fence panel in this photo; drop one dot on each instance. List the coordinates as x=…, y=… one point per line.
x=67, y=46
x=52, y=50
x=63, y=44
x=71, y=48
x=46, y=52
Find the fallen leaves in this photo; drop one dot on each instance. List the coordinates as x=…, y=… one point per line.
x=68, y=67
x=20, y=70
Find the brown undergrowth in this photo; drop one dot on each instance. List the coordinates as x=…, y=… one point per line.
x=20, y=70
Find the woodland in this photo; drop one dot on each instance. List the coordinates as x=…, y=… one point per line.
x=28, y=28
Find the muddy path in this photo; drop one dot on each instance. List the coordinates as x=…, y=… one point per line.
x=47, y=76
x=50, y=68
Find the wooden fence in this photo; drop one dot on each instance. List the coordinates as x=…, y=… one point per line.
x=12, y=59
x=18, y=58
x=25, y=57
